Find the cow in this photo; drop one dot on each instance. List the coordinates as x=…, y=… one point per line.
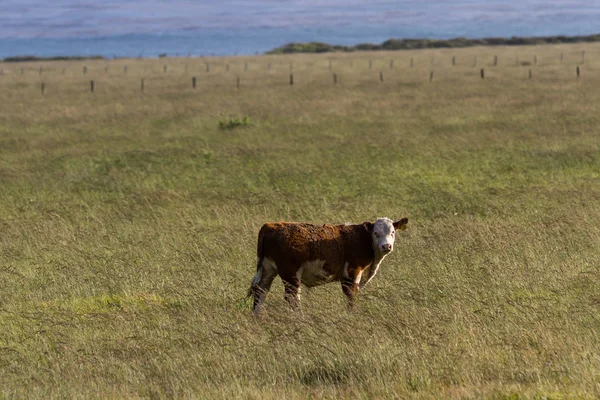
x=303, y=253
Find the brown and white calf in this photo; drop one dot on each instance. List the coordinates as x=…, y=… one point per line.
x=302, y=253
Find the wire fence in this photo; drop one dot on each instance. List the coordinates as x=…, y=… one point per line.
x=200, y=74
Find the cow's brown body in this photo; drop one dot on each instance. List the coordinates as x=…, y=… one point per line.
x=303, y=253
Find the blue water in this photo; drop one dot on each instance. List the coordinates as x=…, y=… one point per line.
x=130, y=28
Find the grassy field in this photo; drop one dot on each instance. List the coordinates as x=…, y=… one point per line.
x=128, y=224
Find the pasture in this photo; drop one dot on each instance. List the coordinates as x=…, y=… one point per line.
x=128, y=225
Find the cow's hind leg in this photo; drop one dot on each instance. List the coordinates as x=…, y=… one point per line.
x=291, y=284
x=261, y=283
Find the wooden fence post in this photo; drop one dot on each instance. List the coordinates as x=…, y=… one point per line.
x=370, y=64
x=530, y=74
x=92, y=86
x=482, y=73
x=291, y=79
x=380, y=76
x=453, y=61
x=125, y=69
x=412, y=62
x=577, y=70
x=430, y=76
x=142, y=85
x=194, y=82
x=165, y=68
x=207, y=67
x=227, y=67
x=335, y=79
x=85, y=69
x=43, y=88
x=495, y=61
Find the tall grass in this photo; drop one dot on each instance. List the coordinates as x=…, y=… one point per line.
x=128, y=223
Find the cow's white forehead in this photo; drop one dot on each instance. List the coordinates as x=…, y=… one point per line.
x=383, y=226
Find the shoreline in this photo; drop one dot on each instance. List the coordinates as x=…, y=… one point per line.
x=321, y=47
x=417, y=44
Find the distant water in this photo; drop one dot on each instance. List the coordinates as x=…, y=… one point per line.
x=131, y=28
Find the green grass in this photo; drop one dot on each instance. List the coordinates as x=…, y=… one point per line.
x=128, y=226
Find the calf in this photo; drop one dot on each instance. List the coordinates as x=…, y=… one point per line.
x=317, y=254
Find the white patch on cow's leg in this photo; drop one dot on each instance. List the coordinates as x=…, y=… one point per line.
x=372, y=271
x=358, y=276
x=262, y=283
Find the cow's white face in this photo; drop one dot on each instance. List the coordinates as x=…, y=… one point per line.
x=383, y=233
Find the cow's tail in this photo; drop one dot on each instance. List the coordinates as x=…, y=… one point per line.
x=259, y=260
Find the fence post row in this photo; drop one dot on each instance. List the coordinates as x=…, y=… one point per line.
x=92, y=86
x=194, y=82
x=291, y=79
x=482, y=73
x=142, y=85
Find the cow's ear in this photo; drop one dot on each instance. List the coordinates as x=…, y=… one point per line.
x=401, y=224
x=368, y=226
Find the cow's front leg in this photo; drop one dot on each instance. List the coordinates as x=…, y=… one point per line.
x=350, y=282
x=292, y=290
